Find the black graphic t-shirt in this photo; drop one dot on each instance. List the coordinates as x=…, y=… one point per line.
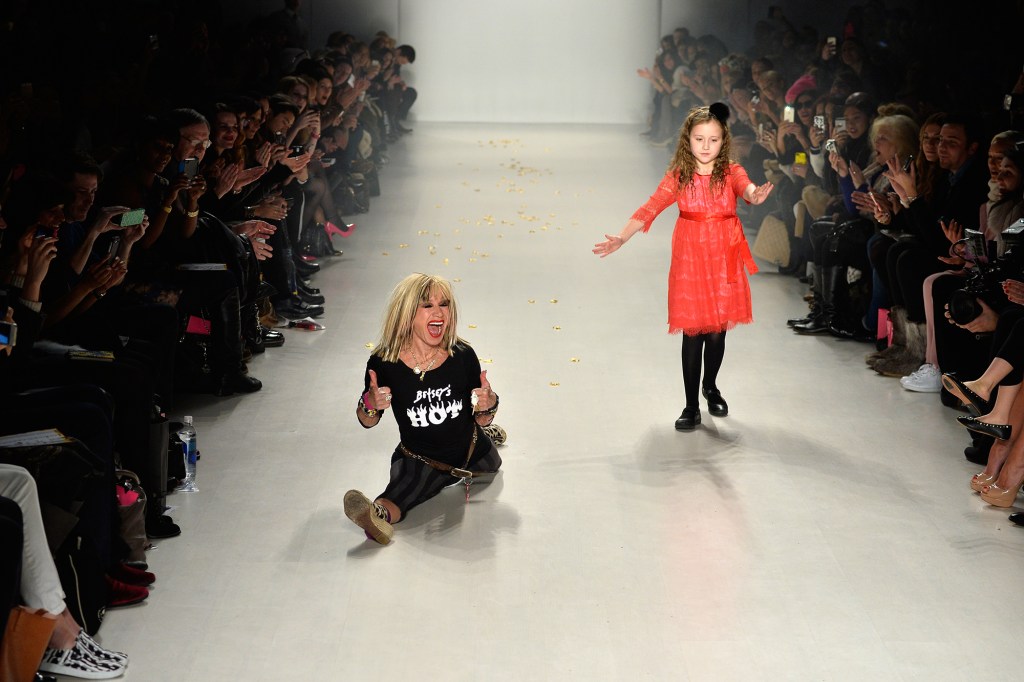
x=434, y=415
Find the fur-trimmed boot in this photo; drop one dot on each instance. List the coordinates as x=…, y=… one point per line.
x=898, y=315
x=903, y=364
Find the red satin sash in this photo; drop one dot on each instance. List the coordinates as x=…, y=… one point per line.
x=739, y=250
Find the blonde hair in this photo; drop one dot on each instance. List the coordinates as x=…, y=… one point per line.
x=406, y=298
x=684, y=163
x=903, y=130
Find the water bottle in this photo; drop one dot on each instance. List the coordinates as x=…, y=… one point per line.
x=187, y=436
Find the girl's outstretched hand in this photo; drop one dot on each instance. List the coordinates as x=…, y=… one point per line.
x=761, y=193
x=610, y=245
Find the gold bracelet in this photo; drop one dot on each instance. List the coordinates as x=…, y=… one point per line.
x=192, y=214
x=166, y=209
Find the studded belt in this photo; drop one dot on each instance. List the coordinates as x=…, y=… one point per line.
x=457, y=472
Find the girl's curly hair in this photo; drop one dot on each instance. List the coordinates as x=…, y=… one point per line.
x=684, y=163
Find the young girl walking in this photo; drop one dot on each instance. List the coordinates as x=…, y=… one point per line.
x=708, y=292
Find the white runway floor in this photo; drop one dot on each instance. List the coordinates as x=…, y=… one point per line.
x=824, y=530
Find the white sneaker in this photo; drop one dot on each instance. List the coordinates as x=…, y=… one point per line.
x=927, y=379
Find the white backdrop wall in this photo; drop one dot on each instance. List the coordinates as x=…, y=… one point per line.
x=522, y=61
x=536, y=60
x=531, y=60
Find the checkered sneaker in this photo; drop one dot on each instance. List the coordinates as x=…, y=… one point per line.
x=78, y=662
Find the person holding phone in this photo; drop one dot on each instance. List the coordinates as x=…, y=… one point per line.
x=766, y=108
x=84, y=241
x=708, y=292
x=69, y=650
x=794, y=135
x=835, y=245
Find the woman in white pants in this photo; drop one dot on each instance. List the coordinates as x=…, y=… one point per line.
x=71, y=651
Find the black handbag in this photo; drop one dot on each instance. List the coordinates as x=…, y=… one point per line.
x=83, y=579
x=192, y=365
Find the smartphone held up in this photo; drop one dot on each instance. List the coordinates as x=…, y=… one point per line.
x=130, y=218
x=189, y=166
x=8, y=333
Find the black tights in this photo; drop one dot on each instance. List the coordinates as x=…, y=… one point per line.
x=712, y=348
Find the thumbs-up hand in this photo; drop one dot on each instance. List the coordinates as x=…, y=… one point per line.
x=378, y=396
x=483, y=398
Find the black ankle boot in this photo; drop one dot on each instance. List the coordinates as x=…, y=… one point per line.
x=236, y=382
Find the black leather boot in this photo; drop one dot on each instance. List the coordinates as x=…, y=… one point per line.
x=252, y=330
x=812, y=314
x=230, y=375
x=820, y=323
x=845, y=322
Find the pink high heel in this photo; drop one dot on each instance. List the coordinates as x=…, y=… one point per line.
x=979, y=481
x=1000, y=497
x=331, y=229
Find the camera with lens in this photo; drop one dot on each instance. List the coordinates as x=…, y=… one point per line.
x=984, y=280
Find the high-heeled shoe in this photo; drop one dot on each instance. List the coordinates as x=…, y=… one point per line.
x=331, y=229
x=999, y=431
x=1000, y=497
x=979, y=481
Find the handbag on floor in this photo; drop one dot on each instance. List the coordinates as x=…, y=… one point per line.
x=132, y=516
x=24, y=642
x=772, y=242
x=192, y=364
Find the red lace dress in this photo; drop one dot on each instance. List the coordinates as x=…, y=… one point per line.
x=707, y=287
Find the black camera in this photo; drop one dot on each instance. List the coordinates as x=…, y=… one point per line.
x=985, y=279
